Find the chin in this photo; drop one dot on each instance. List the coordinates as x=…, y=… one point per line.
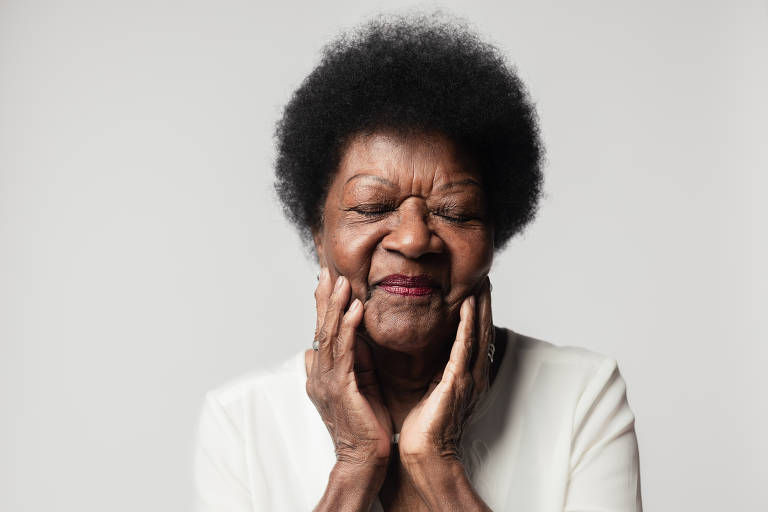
x=401, y=333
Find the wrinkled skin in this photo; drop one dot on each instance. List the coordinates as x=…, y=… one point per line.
x=389, y=362
x=408, y=206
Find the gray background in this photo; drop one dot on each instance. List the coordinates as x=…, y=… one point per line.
x=144, y=259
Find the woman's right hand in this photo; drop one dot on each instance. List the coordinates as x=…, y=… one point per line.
x=342, y=384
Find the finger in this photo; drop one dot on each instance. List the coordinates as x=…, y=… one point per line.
x=322, y=294
x=344, y=352
x=364, y=369
x=485, y=333
x=330, y=328
x=461, y=351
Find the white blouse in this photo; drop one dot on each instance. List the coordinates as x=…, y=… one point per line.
x=554, y=433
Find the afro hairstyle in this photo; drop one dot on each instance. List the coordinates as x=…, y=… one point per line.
x=417, y=73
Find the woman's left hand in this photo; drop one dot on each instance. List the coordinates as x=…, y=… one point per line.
x=431, y=433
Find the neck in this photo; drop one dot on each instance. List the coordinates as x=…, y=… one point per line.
x=404, y=377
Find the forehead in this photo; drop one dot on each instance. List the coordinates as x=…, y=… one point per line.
x=421, y=162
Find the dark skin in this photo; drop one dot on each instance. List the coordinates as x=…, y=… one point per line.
x=388, y=362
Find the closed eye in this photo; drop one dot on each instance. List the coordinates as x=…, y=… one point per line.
x=372, y=210
x=454, y=219
x=452, y=215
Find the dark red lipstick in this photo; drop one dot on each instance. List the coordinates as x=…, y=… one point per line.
x=410, y=286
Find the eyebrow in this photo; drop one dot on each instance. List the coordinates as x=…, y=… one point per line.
x=374, y=177
x=444, y=186
x=452, y=184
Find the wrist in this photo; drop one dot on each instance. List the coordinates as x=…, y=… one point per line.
x=443, y=484
x=359, y=473
x=445, y=459
x=430, y=471
x=352, y=486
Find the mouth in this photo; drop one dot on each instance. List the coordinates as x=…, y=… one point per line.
x=409, y=286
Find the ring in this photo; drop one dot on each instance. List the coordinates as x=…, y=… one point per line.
x=315, y=346
x=491, y=351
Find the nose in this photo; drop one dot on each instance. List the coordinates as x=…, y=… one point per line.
x=412, y=236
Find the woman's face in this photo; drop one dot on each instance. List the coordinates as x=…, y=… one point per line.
x=405, y=221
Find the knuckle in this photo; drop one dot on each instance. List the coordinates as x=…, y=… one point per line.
x=347, y=321
x=464, y=390
x=337, y=343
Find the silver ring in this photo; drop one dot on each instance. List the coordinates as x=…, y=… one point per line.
x=491, y=351
x=315, y=345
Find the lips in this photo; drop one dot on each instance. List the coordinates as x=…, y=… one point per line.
x=409, y=286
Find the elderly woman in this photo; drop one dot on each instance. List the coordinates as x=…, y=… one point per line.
x=408, y=158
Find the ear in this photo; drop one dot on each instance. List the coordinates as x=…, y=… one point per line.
x=318, y=238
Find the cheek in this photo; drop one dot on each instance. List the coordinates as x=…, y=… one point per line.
x=351, y=249
x=471, y=261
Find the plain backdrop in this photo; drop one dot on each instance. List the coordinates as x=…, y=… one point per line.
x=144, y=258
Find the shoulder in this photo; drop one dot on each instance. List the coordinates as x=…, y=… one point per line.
x=240, y=430
x=591, y=382
x=533, y=355
x=584, y=397
x=232, y=402
x=287, y=371
x=564, y=377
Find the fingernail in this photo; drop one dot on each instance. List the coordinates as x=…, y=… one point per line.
x=355, y=306
x=472, y=300
x=338, y=282
x=323, y=274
